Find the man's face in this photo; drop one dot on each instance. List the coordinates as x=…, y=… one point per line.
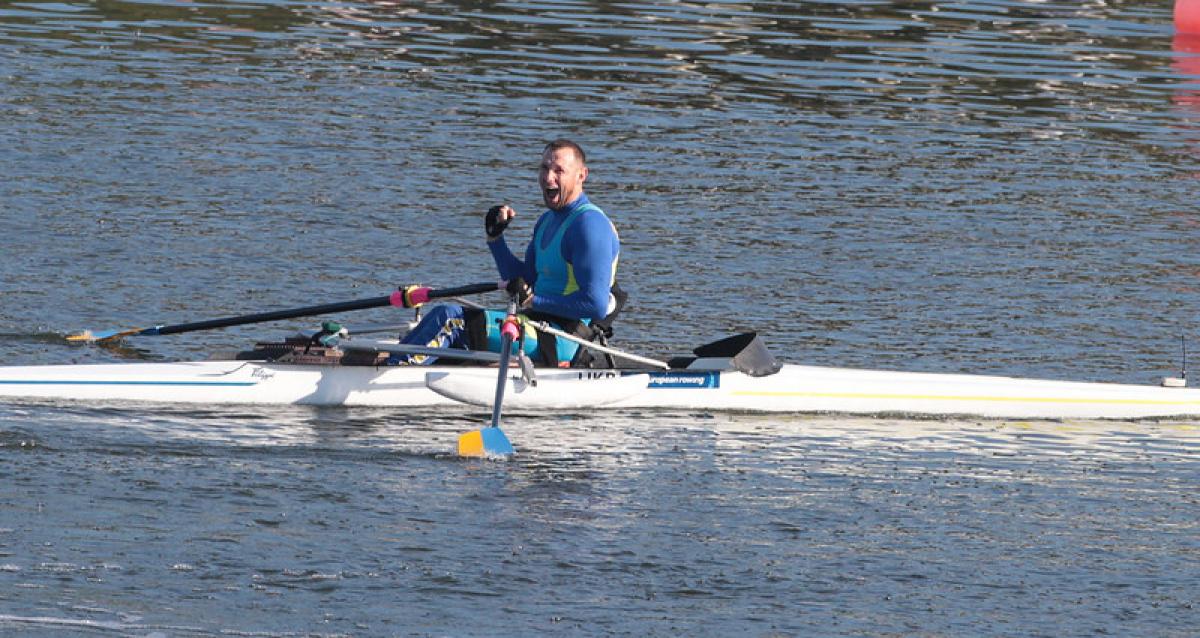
x=561, y=177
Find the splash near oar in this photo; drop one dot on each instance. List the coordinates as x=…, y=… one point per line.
x=491, y=441
x=407, y=297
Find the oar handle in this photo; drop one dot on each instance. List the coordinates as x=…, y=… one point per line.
x=413, y=296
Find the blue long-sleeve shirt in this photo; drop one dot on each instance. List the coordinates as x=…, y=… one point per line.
x=590, y=245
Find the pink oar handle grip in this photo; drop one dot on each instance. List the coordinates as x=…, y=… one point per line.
x=509, y=328
x=410, y=297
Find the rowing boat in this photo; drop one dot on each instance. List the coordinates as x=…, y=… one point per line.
x=738, y=378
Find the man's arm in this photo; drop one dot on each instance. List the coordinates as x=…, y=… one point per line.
x=506, y=262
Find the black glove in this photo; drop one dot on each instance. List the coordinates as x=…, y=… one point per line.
x=492, y=223
x=521, y=290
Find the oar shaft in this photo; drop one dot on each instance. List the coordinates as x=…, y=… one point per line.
x=398, y=299
x=469, y=289
x=508, y=333
x=501, y=380
x=262, y=317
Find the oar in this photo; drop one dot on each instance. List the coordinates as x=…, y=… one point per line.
x=490, y=441
x=409, y=297
x=542, y=326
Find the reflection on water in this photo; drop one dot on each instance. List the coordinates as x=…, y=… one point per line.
x=317, y=519
x=1187, y=64
x=976, y=56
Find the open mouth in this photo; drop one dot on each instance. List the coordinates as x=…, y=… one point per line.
x=551, y=193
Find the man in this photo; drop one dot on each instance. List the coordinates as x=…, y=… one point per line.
x=567, y=277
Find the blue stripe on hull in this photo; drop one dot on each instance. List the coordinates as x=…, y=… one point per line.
x=166, y=383
x=685, y=379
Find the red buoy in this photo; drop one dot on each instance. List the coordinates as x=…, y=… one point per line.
x=1187, y=16
x=1186, y=63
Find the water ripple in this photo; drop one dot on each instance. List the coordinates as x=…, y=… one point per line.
x=981, y=186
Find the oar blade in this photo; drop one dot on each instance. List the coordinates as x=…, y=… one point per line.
x=88, y=336
x=485, y=442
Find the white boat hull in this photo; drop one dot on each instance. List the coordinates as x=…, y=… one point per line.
x=553, y=390
x=795, y=388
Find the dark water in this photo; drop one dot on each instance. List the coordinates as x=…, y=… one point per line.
x=1001, y=187
x=299, y=522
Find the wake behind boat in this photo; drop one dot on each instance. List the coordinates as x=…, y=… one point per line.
x=735, y=374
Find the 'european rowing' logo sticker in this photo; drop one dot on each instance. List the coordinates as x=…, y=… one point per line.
x=685, y=379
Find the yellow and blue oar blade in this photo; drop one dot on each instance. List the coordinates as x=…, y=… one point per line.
x=485, y=442
x=85, y=336
x=88, y=336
